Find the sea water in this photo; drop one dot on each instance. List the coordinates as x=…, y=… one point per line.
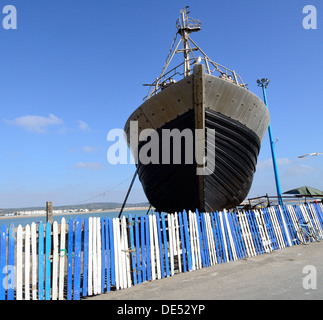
x=24, y=220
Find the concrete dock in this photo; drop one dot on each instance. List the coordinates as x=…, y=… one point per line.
x=294, y=273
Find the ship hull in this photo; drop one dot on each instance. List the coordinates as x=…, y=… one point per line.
x=237, y=120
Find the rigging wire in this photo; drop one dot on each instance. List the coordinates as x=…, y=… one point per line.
x=105, y=192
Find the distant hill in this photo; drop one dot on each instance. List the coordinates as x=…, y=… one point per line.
x=91, y=206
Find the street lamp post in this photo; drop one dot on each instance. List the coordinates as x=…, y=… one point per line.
x=264, y=84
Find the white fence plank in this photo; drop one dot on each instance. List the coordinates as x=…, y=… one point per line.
x=98, y=254
x=27, y=262
x=176, y=226
x=156, y=245
x=19, y=263
x=90, y=259
x=34, y=260
x=171, y=246
x=55, y=262
x=62, y=255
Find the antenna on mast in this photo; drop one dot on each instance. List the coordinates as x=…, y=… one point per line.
x=185, y=26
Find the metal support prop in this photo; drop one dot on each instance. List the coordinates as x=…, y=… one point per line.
x=127, y=195
x=272, y=146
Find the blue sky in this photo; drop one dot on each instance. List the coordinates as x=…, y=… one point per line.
x=73, y=70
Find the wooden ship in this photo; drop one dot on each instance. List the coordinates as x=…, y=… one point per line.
x=209, y=99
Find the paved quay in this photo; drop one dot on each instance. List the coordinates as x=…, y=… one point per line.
x=294, y=273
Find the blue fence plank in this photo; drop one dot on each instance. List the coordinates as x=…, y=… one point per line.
x=107, y=248
x=182, y=240
x=160, y=246
x=289, y=223
x=319, y=213
x=137, y=237
x=11, y=263
x=201, y=240
x=187, y=241
x=103, y=242
x=165, y=244
x=41, y=262
x=132, y=247
x=215, y=237
x=85, y=256
x=48, y=261
x=143, y=248
x=112, y=262
x=280, y=221
x=148, y=248
x=206, y=244
x=221, y=236
x=233, y=233
x=240, y=241
x=226, y=235
x=3, y=258
x=253, y=232
x=270, y=229
x=77, y=259
x=70, y=259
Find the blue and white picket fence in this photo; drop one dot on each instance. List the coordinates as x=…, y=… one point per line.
x=95, y=255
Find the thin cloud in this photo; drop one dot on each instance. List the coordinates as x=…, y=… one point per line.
x=88, y=149
x=35, y=123
x=89, y=166
x=83, y=126
x=268, y=163
x=301, y=169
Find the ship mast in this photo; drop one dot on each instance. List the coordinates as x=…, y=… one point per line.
x=185, y=27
